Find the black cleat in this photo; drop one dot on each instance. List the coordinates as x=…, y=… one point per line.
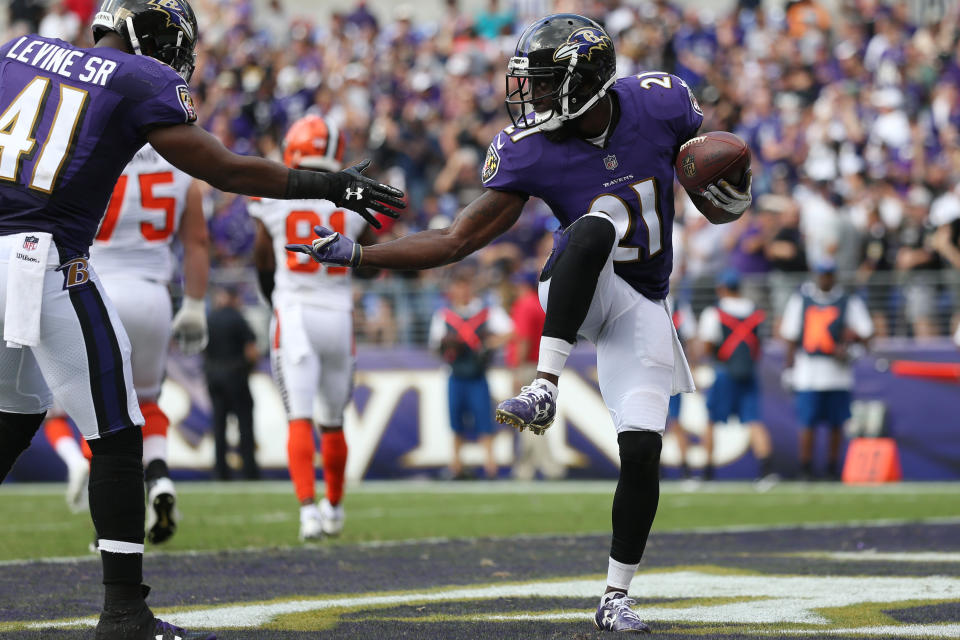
x=137, y=622
x=162, y=513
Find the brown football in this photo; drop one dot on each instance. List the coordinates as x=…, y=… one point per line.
x=706, y=159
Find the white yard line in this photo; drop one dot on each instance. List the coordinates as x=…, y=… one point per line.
x=765, y=600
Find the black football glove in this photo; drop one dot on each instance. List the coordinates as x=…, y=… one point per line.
x=349, y=189
x=361, y=194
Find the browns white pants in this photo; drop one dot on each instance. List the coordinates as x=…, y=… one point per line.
x=146, y=312
x=311, y=351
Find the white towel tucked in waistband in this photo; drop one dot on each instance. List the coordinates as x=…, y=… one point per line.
x=682, y=377
x=28, y=263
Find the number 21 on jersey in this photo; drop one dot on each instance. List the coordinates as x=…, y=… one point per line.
x=300, y=224
x=624, y=214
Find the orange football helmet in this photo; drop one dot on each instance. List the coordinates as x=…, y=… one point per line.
x=314, y=143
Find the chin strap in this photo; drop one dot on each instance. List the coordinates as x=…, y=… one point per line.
x=564, y=115
x=132, y=34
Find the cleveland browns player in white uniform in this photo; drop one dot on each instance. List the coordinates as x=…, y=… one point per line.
x=311, y=334
x=151, y=202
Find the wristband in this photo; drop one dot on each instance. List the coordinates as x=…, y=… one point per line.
x=308, y=185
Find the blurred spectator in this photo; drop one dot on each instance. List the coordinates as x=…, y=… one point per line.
x=946, y=242
x=819, y=220
x=60, y=23
x=230, y=357
x=493, y=21
x=83, y=9
x=377, y=323
x=465, y=333
x=785, y=249
x=805, y=17
x=917, y=262
x=521, y=355
x=746, y=242
x=877, y=259
x=25, y=15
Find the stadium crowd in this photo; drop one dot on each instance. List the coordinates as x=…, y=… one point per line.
x=852, y=117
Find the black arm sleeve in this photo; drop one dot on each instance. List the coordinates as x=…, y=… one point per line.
x=310, y=185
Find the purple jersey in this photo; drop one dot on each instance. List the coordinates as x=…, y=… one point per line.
x=70, y=121
x=630, y=179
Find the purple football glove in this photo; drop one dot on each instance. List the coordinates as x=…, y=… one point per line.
x=330, y=248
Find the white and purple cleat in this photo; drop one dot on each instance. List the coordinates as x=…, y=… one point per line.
x=615, y=614
x=533, y=408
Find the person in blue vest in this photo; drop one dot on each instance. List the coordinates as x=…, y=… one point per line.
x=465, y=333
x=824, y=327
x=730, y=334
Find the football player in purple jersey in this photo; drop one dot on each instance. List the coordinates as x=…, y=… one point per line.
x=600, y=152
x=70, y=121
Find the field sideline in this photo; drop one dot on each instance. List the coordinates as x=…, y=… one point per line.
x=489, y=560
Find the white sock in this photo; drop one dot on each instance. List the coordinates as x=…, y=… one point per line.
x=69, y=452
x=619, y=575
x=154, y=448
x=549, y=386
x=553, y=355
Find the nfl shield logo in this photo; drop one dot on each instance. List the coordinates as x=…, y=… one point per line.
x=30, y=242
x=610, y=162
x=689, y=167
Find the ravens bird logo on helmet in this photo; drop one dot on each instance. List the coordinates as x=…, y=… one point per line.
x=162, y=29
x=562, y=66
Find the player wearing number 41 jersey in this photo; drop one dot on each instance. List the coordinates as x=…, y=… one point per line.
x=600, y=152
x=152, y=203
x=71, y=119
x=311, y=344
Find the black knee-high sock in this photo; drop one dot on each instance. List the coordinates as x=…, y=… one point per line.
x=573, y=276
x=638, y=493
x=16, y=432
x=116, y=505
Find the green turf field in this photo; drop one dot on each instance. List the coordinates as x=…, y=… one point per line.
x=35, y=523
x=491, y=560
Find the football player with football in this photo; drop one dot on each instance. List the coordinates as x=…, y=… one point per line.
x=600, y=152
x=311, y=345
x=71, y=119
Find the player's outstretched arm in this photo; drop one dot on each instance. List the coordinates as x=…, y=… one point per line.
x=477, y=224
x=189, y=326
x=200, y=154
x=195, y=239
